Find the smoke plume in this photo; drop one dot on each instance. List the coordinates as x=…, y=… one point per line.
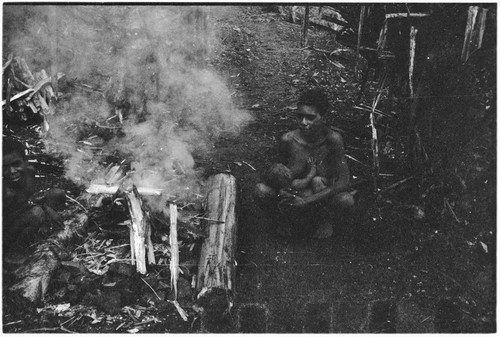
x=145, y=65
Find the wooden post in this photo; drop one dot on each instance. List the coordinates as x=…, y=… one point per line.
x=360, y=30
x=216, y=267
x=174, y=258
x=140, y=232
x=174, y=249
x=474, y=30
x=413, y=35
x=305, y=28
x=54, y=28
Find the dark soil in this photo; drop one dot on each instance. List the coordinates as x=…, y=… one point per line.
x=386, y=250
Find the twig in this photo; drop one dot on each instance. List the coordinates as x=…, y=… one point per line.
x=76, y=202
x=50, y=329
x=71, y=318
x=145, y=322
x=357, y=161
x=207, y=219
x=77, y=319
x=377, y=111
x=180, y=310
x=27, y=86
x=395, y=185
x=108, y=127
x=143, y=280
x=253, y=168
x=451, y=210
x=7, y=64
x=320, y=50
x=12, y=323
x=119, y=326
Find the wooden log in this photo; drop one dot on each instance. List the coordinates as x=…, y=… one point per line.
x=216, y=267
x=105, y=189
x=139, y=232
x=34, y=275
x=406, y=15
x=43, y=82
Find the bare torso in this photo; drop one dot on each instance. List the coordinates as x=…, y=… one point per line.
x=299, y=151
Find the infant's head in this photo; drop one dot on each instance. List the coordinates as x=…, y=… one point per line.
x=279, y=176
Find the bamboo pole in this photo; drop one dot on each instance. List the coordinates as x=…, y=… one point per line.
x=305, y=27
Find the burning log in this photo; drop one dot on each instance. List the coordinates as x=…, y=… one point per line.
x=216, y=267
x=140, y=232
x=33, y=277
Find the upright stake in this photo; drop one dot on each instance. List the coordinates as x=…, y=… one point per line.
x=376, y=99
x=174, y=249
x=139, y=232
x=305, y=28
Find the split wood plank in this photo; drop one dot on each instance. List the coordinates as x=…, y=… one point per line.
x=216, y=267
x=140, y=232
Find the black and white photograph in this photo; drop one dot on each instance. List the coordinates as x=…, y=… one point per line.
x=255, y=168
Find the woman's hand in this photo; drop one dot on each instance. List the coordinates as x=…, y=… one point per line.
x=293, y=201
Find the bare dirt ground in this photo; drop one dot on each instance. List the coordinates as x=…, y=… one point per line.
x=383, y=253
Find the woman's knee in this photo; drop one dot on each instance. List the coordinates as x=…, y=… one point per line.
x=262, y=191
x=34, y=217
x=345, y=200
